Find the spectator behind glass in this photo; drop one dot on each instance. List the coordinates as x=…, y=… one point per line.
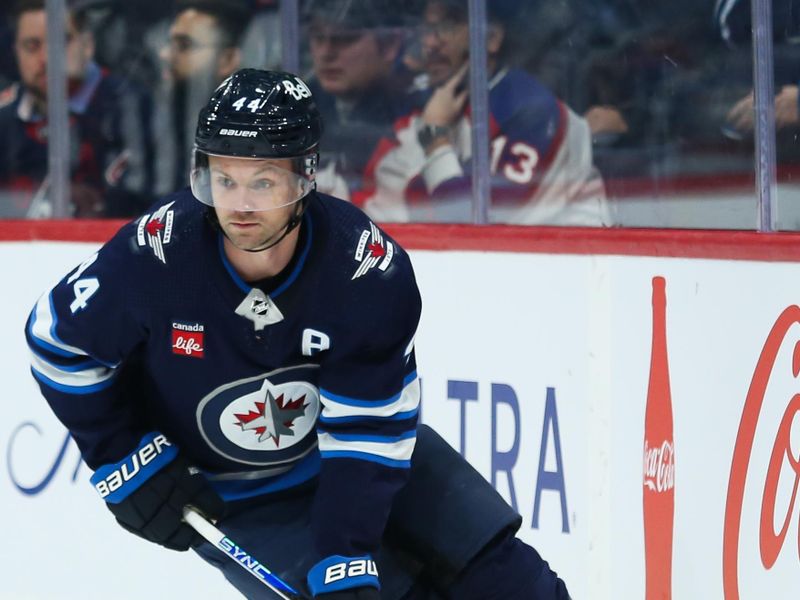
x=621, y=64
x=541, y=155
x=201, y=51
x=732, y=17
x=358, y=81
x=108, y=139
x=689, y=81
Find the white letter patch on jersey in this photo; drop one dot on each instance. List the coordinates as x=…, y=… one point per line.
x=315, y=341
x=378, y=252
x=156, y=230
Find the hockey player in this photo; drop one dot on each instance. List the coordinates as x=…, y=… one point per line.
x=246, y=348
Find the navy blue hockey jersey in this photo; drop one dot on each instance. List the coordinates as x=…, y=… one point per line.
x=314, y=375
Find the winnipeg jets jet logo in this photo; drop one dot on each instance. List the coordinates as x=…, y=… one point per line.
x=267, y=420
x=272, y=417
x=156, y=230
x=377, y=252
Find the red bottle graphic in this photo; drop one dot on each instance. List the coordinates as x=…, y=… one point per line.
x=659, y=459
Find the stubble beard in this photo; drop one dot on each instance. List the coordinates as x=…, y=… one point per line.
x=256, y=241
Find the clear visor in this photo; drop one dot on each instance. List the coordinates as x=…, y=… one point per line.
x=247, y=184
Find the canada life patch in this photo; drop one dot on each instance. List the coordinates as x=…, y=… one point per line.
x=187, y=339
x=372, y=251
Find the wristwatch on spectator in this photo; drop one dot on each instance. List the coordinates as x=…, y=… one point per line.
x=428, y=134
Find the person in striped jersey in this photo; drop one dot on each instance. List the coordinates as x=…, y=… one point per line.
x=541, y=167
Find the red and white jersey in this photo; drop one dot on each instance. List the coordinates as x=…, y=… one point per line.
x=541, y=164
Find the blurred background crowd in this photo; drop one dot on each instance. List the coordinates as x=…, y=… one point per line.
x=600, y=112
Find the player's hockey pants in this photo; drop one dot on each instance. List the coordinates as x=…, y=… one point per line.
x=450, y=536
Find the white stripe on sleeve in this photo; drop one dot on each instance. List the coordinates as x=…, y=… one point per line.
x=43, y=325
x=334, y=407
x=400, y=450
x=82, y=378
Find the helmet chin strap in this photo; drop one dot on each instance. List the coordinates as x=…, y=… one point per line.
x=293, y=222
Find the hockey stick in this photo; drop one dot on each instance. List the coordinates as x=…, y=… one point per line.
x=215, y=537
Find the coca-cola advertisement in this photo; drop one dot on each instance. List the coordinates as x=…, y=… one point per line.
x=761, y=525
x=659, y=459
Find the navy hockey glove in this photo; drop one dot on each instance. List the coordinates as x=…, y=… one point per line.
x=147, y=490
x=345, y=578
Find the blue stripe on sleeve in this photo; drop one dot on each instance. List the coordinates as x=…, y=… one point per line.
x=356, y=419
x=83, y=365
x=369, y=403
x=72, y=389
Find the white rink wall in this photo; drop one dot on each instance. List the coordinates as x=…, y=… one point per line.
x=67, y=545
x=520, y=354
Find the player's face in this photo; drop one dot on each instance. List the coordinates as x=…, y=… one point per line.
x=193, y=46
x=237, y=186
x=31, y=50
x=348, y=62
x=445, y=43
